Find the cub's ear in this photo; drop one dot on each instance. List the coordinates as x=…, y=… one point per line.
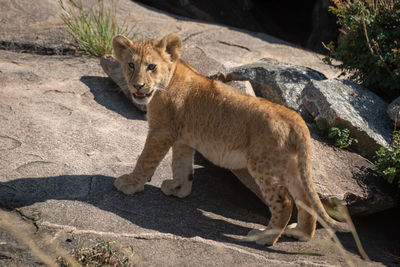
x=172, y=44
x=120, y=44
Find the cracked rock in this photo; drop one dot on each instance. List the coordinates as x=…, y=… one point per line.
x=345, y=102
x=243, y=86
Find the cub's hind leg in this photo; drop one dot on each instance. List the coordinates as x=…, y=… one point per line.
x=306, y=223
x=278, y=200
x=280, y=206
x=244, y=176
x=182, y=169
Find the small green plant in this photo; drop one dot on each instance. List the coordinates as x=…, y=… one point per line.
x=320, y=127
x=387, y=161
x=339, y=134
x=95, y=28
x=370, y=47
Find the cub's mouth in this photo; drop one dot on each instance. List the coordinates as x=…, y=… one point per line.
x=139, y=95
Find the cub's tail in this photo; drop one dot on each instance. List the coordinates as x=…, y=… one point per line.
x=303, y=147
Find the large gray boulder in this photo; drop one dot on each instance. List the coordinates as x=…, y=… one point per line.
x=204, y=64
x=278, y=82
x=345, y=102
x=393, y=111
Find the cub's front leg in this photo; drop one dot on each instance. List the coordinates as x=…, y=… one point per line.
x=182, y=169
x=155, y=148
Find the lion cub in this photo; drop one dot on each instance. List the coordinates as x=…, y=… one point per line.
x=187, y=111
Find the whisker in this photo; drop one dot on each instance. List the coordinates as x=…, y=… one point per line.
x=157, y=88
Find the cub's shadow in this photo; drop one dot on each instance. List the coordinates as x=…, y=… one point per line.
x=217, y=208
x=109, y=95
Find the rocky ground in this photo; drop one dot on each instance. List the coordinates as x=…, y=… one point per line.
x=66, y=132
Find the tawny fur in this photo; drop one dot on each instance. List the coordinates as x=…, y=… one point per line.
x=187, y=111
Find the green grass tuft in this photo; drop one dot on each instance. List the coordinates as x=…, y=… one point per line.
x=95, y=28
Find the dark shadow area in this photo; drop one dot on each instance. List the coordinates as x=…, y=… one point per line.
x=149, y=209
x=374, y=185
x=380, y=236
x=300, y=24
x=108, y=94
x=271, y=39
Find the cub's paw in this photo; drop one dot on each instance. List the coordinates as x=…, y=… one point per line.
x=293, y=231
x=266, y=237
x=175, y=188
x=127, y=185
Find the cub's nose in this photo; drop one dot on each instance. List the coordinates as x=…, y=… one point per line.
x=138, y=86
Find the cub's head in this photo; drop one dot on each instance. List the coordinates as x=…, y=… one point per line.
x=147, y=65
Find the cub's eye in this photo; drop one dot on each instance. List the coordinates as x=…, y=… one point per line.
x=131, y=65
x=151, y=67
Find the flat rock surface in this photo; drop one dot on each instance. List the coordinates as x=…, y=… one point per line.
x=66, y=134
x=34, y=27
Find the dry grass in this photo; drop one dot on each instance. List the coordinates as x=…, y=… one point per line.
x=100, y=252
x=12, y=225
x=346, y=216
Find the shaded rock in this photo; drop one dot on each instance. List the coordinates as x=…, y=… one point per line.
x=296, y=26
x=343, y=175
x=393, y=111
x=349, y=177
x=112, y=68
x=345, y=102
x=324, y=27
x=242, y=86
x=276, y=81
